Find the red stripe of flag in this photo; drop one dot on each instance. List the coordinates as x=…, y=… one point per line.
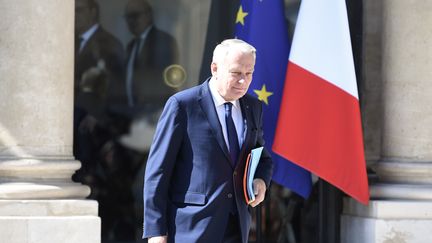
x=319, y=128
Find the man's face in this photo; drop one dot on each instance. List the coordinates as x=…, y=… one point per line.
x=85, y=16
x=234, y=75
x=138, y=17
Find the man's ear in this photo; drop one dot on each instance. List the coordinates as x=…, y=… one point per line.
x=213, y=68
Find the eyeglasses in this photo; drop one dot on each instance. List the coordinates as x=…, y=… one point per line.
x=135, y=15
x=81, y=9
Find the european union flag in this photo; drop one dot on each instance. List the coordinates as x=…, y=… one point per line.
x=262, y=23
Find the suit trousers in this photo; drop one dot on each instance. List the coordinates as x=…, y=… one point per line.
x=232, y=231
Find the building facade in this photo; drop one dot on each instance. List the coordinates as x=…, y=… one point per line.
x=39, y=202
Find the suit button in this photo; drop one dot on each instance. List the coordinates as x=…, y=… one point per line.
x=235, y=173
x=229, y=195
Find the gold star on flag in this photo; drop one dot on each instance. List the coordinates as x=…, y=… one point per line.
x=240, y=16
x=263, y=94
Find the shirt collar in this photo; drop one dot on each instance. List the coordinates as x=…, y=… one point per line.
x=145, y=32
x=142, y=37
x=217, y=98
x=89, y=32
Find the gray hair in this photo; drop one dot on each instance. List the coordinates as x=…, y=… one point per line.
x=222, y=50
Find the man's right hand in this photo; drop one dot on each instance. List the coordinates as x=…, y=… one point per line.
x=158, y=239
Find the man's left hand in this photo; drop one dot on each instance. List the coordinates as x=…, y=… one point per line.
x=259, y=187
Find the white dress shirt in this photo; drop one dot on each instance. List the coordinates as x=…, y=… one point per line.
x=129, y=69
x=87, y=35
x=236, y=114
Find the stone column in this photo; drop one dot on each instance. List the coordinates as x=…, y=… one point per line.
x=38, y=200
x=401, y=205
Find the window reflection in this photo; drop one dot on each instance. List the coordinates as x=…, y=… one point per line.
x=130, y=56
x=127, y=63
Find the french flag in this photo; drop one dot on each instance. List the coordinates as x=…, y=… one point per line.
x=319, y=125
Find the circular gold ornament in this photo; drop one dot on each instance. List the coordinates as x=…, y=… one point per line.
x=174, y=76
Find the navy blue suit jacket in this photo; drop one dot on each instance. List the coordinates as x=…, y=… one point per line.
x=191, y=185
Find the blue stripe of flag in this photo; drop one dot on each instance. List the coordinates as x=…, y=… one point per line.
x=264, y=26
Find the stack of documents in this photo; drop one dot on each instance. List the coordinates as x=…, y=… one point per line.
x=249, y=173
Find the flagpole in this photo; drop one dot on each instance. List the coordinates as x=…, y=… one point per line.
x=329, y=211
x=322, y=206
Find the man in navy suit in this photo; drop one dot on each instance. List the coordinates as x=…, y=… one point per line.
x=149, y=53
x=193, y=180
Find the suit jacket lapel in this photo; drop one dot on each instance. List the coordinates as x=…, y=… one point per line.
x=247, y=121
x=208, y=107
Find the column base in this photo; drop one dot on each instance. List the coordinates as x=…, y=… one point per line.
x=43, y=190
x=34, y=221
x=40, y=178
x=386, y=221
